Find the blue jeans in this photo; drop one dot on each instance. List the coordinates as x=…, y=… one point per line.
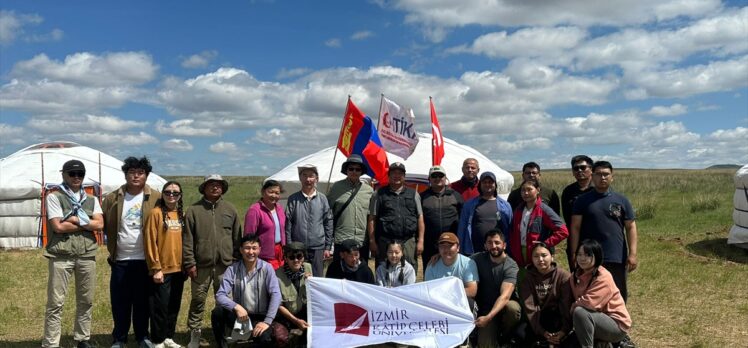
x=130, y=287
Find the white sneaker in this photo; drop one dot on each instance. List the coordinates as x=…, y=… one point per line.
x=169, y=343
x=159, y=345
x=194, y=339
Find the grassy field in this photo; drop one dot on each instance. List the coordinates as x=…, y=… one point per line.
x=689, y=289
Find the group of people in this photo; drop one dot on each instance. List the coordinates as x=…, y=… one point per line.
x=503, y=251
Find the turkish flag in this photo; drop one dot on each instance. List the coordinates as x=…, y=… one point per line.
x=437, y=142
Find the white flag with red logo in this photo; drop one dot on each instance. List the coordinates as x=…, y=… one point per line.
x=397, y=129
x=349, y=314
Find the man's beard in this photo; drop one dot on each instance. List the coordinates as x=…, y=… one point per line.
x=497, y=253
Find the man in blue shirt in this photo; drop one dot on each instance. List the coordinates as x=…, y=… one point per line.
x=608, y=218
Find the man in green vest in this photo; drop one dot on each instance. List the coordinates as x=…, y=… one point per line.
x=72, y=218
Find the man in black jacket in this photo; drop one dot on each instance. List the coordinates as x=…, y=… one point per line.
x=441, y=211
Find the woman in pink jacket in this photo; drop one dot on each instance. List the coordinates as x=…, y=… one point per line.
x=598, y=312
x=266, y=219
x=533, y=221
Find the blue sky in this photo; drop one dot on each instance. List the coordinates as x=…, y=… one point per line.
x=245, y=87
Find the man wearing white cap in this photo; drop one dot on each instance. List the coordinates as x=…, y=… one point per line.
x=309, y=220
x=210, y=243
x=441, y=211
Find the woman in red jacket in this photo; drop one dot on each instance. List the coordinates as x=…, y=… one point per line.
x=267, y=220
x=533, y=221
x=598, y=312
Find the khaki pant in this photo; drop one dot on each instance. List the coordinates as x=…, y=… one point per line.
x=60, y=270
x=502, y=323
x=200, y=286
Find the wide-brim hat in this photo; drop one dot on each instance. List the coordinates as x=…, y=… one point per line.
x=213, y=177
x=353, y=159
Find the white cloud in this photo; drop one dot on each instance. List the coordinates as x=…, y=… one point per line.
x=199, y=60
x=12, y=25
x=224, y=147
x=291, y=73
x=334, y=43
x=185, y=127
x=697, y=79
x=437, y=18
x=664, y=111
x=9, y=131
x=65, y=123
x=528, y=42
x=117, y=139
x=177, y=145
x=45, y=96
x=362, y=35
x=88, y=69
x=54, y=35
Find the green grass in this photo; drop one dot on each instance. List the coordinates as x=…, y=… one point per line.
x=689, y=290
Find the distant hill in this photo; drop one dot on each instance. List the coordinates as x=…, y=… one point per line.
x=724, y=166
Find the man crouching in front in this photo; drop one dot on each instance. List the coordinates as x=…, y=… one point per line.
x=249, y=295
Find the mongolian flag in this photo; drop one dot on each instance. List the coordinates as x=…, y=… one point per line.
x=437, y=142
x=359, y=136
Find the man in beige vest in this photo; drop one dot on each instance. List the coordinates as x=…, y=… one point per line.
x=72, y=218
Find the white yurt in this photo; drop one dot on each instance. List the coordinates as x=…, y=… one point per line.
x=26, y=175
x=739, y=231
x=416, y=166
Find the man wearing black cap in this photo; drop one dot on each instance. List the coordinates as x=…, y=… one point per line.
x=350, y=266
x=349, y=203
x=395, y=214
x=482, y=214
x=72, y=218
x=210, y=243
x=125, y=213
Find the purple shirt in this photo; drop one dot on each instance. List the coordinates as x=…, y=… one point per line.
x=259, y=221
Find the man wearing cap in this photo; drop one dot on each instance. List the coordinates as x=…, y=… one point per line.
x=72, y=218
x=292, y=278
x=498, y=307
x=531, y=170
x=395, y=214
x=482, y=214
x=210, y=243
x=441, y=211
x=125, y=213
x=308, y=219
x=467, y=186
x=350, y=266
x=349, y=204
x=451, y=263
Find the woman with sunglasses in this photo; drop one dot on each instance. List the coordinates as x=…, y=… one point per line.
x=545, y=294
x=292, y=278
x=163, y=253
x=533, y=221
x=267, y=220
x=598, y=312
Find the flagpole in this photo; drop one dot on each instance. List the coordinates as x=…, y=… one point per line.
x=381, y=103
x=340, y=134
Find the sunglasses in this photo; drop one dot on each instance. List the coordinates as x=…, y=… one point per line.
x=77, y=174
x=578, y=168
x=172, y=193
x=355, y=169
x=437, y=176
x=297, y=256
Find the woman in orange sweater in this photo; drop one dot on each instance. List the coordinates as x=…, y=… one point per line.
x=163, y=253
x=598, y=312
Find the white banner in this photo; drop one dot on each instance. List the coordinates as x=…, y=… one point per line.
x=397, y=129
x=349, y=314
